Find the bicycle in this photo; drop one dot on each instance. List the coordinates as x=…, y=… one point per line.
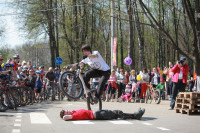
x=73, y=86
x=152, y=94
x=50, y=91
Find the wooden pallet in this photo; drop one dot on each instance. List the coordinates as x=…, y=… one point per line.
x=188, y=111
x=189, y=95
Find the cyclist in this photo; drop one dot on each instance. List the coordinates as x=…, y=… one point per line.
x=51, y=78
x=15, y=61
x=57, y=74
x=99, y=69
x=100, y=115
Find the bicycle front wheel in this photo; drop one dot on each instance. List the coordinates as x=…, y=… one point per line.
x=156, y=96
x=148, y=98
x=71, y=85
x=4, y=101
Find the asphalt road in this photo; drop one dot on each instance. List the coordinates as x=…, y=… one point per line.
x=44, y=118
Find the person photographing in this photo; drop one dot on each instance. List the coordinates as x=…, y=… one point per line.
x=179, y=79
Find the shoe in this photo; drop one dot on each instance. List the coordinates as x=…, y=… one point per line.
x=95, y=100
x=170, y=108
x=106, y=100
x=140, y=113
x=111, y=100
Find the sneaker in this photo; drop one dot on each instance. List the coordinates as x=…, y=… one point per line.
x=170, y=108
x=111, y=100
x=140, y=114
x=95, y=100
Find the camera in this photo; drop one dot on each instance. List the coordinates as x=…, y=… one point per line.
x=180, y=62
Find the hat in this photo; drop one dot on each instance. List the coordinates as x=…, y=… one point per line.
x=34, y=67
x=182, y=59
x=16, y=56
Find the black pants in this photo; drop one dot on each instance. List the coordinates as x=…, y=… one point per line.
x=115, y=114
x=177, y=87
x=94, y=73
x=121, y=89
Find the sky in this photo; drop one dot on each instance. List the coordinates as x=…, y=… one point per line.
x=12, y=35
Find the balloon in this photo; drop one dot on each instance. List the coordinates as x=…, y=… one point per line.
x=139, y=77
x=128, y=61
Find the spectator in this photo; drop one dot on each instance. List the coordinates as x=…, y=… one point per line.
x=155, y=77
x=34, y=68
x=127, y=77
x=150, y=75
x=15, y=61
x=57, y=74
x=38, y=86
x=112, y=86
x=169, y=80
x=143, y=82
x=161, y=87
x=51, y=78
x=117, y=72
x=132, y=77
x=121, y=83
x=1, y=62
x=29, y=64
x=23, y=63
x=9, y=60
x=190, y=82
x=180, y=71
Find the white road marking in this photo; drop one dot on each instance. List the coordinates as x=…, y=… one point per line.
x=19, y=116
x=82, y=122
x=19, y=113
x=120, y=122
x=16, y=131
x=39, y=118
x=148, y=124
x=18, y=120
x=162, y=128
x=17, y=125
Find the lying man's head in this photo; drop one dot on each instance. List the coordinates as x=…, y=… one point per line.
x=65, y=112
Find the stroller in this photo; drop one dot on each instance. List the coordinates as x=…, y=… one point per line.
x=128, y=95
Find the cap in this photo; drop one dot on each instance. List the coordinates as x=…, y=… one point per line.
x=182, y=59
x=16, y=56
x=34, y=67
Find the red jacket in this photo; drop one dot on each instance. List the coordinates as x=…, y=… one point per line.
x=176, y=70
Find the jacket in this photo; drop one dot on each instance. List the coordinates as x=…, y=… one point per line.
x=176, y=70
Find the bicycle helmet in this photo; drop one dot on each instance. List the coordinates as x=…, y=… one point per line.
x=38, y=71
x=12, y=65
x=25, y=67
x=42, y=66
x=24, y=70
x=16, y=56
x=7, y=65
x=34, y=67
x=56, y=69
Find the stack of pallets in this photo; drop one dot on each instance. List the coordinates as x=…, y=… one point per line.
x=188, y=103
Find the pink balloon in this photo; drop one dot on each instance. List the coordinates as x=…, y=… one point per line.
x=128, y=61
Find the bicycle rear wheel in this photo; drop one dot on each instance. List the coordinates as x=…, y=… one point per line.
x=90, y=104
x=16, y=94
x=4, y=101
x=12, y=102
x=156, y=96
x=71, y=85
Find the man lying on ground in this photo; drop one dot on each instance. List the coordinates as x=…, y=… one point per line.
x=100, y=115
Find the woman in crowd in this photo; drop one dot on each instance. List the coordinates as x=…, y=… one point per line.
x=112, y=86
x=144, y=81
x=155, y=77
x=121, y=82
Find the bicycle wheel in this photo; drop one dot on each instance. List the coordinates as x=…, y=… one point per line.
x=4, y=102
x=17, y=96
x=12, y=102
x=156, y=96
x=24, y=95
x=148, y=98
x=72, y=88
x=90, y=104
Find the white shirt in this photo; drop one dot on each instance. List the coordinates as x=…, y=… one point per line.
x=180, y=75
x=96, y=63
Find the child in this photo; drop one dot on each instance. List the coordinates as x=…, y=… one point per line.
x=38, y=85
x=127, y=94
x=161, y=87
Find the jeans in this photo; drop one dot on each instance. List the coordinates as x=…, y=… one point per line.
x=94, y=73
x=177, y=87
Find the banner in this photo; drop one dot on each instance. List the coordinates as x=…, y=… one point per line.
x=114, y=51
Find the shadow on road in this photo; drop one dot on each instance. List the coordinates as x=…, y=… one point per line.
x=7, y=115
x=148, y=118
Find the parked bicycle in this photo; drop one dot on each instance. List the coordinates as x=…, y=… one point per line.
x=152, y=94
